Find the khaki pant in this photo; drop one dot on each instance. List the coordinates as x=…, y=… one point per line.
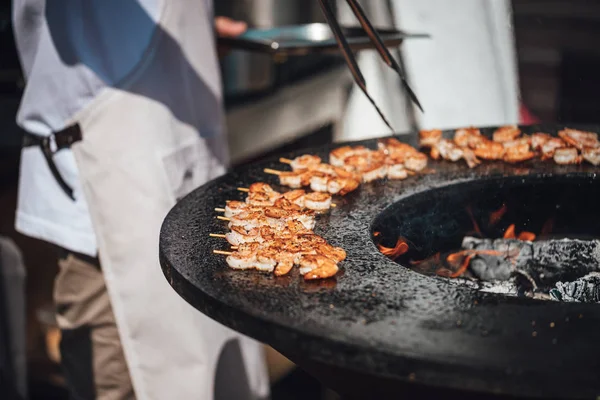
x=91, y=352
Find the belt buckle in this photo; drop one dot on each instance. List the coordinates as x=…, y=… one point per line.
x=49, y=144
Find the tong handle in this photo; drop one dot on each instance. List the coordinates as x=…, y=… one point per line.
x=349, y=56
x=381, y=48
x=343, y=43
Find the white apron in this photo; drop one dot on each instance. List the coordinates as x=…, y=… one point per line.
x=138, y=155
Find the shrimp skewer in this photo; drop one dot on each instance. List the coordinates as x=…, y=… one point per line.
x=316, y=262
x=302, y=163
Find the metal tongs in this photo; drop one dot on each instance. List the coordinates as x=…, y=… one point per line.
x=379, y=45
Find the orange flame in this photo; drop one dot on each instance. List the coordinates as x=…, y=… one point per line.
x=510, y=232
x=400, y=248
x=525, y=236
x=460, y=260
x=497, y=215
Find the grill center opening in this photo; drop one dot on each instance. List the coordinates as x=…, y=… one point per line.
x=536, y=237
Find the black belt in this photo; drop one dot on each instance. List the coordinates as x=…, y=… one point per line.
x=52, y=144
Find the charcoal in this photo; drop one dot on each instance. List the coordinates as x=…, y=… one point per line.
x=489, y=268
x=545, y=262
x=497, y=267
x=583, y=290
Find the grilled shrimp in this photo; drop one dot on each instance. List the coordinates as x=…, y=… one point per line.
x=373, y=172
x=305, y=162
x=579, y=139
x=518, y=142
x=468, y=137
x=591, y=155
x=336, y=254
x=285, y=263
x=470, y=158
x=397, y=171
x=317, y=201
x=566, y=156
x=538, y=140
x=318, y=182
x=506, y=133
x=338, y=156
x=238, y=235
x=550, y=147
x=430, y=138
x=292, y=179
x=518, y=153
x=261, y=187
x=295, y=196
x=416, y=161
x=325, y=269
x=448, y=150
x=489, y=150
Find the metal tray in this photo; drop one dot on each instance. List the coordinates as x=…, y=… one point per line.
x=309, y=38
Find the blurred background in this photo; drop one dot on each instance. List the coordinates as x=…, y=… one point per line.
x=487, y=62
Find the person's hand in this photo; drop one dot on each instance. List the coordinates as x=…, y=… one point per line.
x=227, y=27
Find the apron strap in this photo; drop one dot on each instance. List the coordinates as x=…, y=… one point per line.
x=52, y=144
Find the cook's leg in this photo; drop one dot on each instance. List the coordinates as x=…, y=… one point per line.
x=91, y=352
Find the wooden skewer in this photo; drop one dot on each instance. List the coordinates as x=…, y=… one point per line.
x=219, y=209
x=272, y=171
x=333, y=205
x=234, y=247
x=218, y=235
x=243, y=190
x=285, y=160
x=223, y=218
x=223, y=253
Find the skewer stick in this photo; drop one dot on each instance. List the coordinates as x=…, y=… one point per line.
x=333, y=205
x=272, y=171
x=223, y=218
x=219, y=209
x=223, y=253
x=244, y=190
x=285, y=160
x=217, y=235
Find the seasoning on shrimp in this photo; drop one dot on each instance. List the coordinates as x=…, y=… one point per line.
x=538, y=140
x=489, y=150
x=518, y=153
x=468, y=137
x=429, y=138
x=591, y=155
x=550, y=147
x=579, y=139
x=566, y=156
x=506, y=133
